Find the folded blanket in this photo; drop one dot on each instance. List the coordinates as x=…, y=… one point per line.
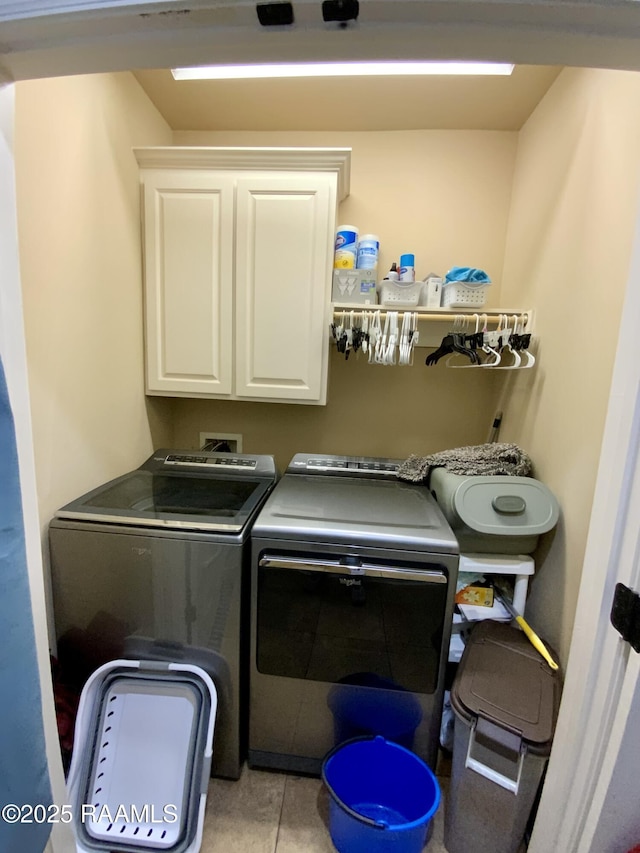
x=476, y=460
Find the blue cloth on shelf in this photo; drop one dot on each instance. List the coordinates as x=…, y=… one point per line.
x=468, y=275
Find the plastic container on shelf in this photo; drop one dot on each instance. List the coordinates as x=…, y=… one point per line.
x=431, y=296
x=357, y=286
x=368, y=249
x=407, y=268
x=383, y=797
x=400, y=293
x=393, y=274
x=458, y=294
x=346, y=247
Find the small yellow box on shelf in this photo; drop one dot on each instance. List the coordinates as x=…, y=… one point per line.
x=479, y=596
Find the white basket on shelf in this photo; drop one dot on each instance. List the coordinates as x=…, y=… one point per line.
x=401, y=293
x=459, y=294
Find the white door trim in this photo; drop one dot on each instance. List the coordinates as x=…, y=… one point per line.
x=59, y=37
x=12, y=348
x=601, y=674
x=602, y=671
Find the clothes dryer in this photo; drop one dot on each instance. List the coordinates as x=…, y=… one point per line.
x=353, y=581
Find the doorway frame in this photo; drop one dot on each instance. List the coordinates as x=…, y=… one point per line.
x=603, y=675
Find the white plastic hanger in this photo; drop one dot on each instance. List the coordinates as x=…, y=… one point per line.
x=505, y=336
x=404, y=345
x=490, y=344
x=390, y=338
x=408, y=337
x=365, y=331
x=414, y=335
x=375, y=333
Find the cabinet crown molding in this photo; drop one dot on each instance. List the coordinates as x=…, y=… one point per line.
x=288, y=159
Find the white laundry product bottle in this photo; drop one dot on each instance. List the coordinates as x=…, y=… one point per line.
x=393, y=274
x=368, y=249
x=407, y=268
x=346, y=247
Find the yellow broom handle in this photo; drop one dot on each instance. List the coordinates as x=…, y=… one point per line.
x=536, y=642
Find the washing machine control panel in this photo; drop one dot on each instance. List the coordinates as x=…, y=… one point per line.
x=202, y=462
x=346, y=466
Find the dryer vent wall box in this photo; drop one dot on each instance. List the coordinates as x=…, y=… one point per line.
x=221, y=442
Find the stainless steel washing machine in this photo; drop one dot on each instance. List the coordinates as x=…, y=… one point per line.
x=353, y=581
x=154, y=565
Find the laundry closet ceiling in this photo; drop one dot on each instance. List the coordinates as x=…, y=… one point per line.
x=378, y=103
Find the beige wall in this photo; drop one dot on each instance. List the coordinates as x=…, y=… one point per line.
x=443, y=195
x=371, y=410
x=78, y=220
x=447, y=196
x=575, y=197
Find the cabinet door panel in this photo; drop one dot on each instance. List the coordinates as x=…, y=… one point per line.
x=189, y=268
x=284, y=243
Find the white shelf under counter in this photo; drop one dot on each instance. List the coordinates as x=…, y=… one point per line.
x=520, y=566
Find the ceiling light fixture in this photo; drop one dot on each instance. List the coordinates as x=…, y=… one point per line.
x=339, y=69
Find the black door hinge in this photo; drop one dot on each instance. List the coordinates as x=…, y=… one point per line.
x=625, y=615
x=341, y=11
x=275, y=14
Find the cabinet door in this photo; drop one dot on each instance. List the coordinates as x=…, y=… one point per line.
x=284, y=254
x=188, y=281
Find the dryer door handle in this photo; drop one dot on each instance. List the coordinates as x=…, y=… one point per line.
x=354, y=569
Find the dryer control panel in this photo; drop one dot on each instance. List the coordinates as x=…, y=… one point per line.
x=216, y=461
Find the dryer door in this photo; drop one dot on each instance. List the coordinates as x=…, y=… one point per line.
x=328, y=620
x=345, y=646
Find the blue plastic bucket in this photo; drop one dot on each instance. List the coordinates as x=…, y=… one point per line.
x=383, y=797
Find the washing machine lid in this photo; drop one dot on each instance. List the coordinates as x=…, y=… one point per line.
x=142, y=758
x=337, y=509
x=184, y=490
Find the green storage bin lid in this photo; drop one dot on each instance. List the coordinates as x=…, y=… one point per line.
x=498, y=505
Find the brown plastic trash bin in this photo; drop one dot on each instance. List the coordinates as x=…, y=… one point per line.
x=505, y=700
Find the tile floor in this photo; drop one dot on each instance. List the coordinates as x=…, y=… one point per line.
x=266, y=812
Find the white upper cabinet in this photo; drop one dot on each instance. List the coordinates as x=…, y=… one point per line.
x=238, y=249
x=284, y=224
x=188, y=238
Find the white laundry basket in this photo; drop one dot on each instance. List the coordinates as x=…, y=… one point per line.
x=400, y=294
x=142, y=758
x=458, y=294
